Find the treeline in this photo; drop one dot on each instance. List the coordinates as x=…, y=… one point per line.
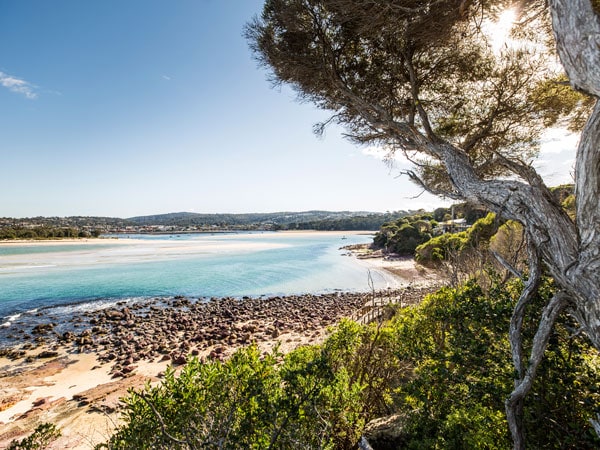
x=82, y=222
x=306, y=220
x=45, y=232
x=403, y=235
x=370, y=222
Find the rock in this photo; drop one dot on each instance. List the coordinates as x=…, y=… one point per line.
x=129, y=369
x=111, y=314
x=40, y=402
x=42, y=328
x=179, y=360
x=47, y=354
x=386, y=433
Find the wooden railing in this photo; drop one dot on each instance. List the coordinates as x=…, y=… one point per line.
x=380, y=302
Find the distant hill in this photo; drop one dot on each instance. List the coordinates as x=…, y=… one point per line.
x=79, y=226
x=323, y=220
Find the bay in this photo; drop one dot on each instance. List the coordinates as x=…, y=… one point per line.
x=63, y=278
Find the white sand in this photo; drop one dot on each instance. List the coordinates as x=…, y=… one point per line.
x=126, y=251
x=72, y=380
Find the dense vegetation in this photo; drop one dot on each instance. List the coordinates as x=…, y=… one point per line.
x=404, y=235
x=443, y=368
x=446, y=245
x=73, y=227
x=56, y=227
x=306, y=220
x=371, y=222
x=46, y=232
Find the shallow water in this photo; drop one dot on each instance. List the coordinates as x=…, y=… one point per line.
x=36, y=278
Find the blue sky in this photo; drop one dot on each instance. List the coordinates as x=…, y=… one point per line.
x=125, y=108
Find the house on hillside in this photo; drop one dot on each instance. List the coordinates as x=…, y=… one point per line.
x=451, y=226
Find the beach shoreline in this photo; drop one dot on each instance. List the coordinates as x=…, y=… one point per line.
x=75, y=380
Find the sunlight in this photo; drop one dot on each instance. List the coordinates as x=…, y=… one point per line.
x=499, y=31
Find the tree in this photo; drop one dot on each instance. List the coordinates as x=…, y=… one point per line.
x=422, y=78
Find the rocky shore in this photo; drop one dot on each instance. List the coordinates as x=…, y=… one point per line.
x=110, y=350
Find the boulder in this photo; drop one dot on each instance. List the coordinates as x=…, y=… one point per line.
x=385, y=433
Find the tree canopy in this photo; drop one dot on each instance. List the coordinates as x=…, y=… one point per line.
x=427, y=79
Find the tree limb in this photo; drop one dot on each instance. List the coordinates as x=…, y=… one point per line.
x=514, y=403
x=508, y=266
x=160, y=420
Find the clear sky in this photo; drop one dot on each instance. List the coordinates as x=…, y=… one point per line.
x=125, y=108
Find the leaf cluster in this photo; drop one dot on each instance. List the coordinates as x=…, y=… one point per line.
x=404, y=235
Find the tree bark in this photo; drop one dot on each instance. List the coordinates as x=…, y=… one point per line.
x=577, y=33
x=570, y=252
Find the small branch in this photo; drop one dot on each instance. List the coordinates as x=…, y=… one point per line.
x=508, y=266
x=417, y=180
x=160, y=420
x=516, y=321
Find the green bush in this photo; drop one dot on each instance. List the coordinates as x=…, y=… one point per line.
x=404, y=235
x=312, y=399
x=442, y=247
x=457, y=343
x=43, y=435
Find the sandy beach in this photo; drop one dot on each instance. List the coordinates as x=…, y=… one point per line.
x=75, y=380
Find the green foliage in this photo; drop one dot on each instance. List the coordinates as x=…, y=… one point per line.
x=362, y=222
x=318, y=397
x=457, y=343
x=41, y=438
x=405, y=234
x=439, y=248
x=43, y=232
x=556, y=100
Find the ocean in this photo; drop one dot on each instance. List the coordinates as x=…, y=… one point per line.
x=63, y=278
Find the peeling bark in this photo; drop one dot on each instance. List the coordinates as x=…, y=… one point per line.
x=577, y=34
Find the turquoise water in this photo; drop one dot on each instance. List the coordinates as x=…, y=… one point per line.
x=35, y=277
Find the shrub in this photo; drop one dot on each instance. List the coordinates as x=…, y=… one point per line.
x=457, y=342
x=43, y=435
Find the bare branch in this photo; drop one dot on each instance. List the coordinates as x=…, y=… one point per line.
x=514, y=403
x=508, y=266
